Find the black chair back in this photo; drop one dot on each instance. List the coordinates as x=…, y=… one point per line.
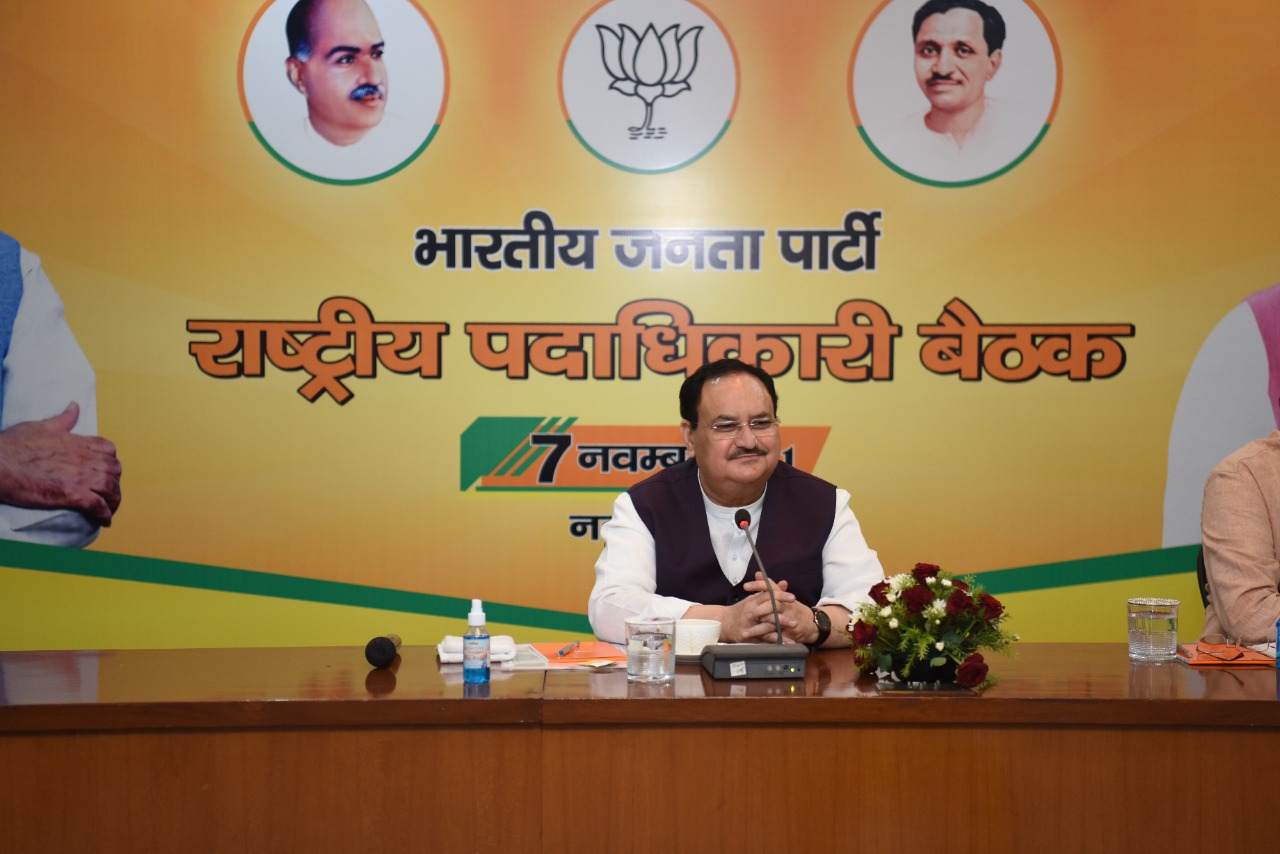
x=1202, y=578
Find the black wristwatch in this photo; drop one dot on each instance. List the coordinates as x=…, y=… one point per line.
x=824, y=627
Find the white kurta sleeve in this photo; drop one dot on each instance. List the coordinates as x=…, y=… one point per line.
x=626, y=576
x=44, y=370
x=849, y=566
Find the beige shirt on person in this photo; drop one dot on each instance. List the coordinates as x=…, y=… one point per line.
x=1240, y=527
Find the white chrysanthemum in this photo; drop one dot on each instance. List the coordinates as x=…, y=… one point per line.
x=886, y=611
x=946, y=582
x=939, y=646
x=900, y=582
x=937, y=608
x=891, y=597
x=893, y=624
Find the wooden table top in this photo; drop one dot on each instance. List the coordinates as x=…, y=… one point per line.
x=1086, y=683
x=299, y=686
x=1064, y=684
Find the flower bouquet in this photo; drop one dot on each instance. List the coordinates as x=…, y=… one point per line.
x=925, y=626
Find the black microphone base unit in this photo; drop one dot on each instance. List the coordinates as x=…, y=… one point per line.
x=755, y=660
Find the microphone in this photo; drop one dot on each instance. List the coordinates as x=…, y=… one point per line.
x=380, y=652
x=756, y=660
x=743, y=520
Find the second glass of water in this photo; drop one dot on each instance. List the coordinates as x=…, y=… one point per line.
x=1153, y=629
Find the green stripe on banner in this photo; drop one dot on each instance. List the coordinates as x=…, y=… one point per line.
x=193, y=575
x=487, y=442
x=120, y=567
x=1071, y=573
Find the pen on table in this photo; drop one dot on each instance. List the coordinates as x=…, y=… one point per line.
x=567, y=649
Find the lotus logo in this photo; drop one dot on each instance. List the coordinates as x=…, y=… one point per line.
x=650, y=67
x=627, y=53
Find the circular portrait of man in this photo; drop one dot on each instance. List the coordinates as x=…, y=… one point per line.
x=954, y=92
x=343, y=91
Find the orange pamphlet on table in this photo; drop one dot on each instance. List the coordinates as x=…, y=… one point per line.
x=582, y=654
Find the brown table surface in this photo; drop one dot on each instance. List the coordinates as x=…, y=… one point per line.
x=1086, y=683
x=334, y=686
x=300, y=686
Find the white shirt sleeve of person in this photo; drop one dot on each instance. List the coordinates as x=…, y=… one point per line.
x=44, y=370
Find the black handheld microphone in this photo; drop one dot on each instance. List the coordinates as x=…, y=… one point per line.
x=380, y=652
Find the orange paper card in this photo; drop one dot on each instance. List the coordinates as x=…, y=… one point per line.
x=585, y=654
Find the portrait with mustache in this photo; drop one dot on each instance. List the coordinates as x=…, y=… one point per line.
x=972, y=96
x=958, y=49
x=336, y=62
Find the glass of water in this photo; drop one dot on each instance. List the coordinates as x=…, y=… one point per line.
x=651, y=649
x=1153, y=629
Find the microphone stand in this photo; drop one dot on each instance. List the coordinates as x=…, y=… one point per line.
x=743, y=520
x=756, y=660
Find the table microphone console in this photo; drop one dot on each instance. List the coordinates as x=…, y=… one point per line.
x=755, y=660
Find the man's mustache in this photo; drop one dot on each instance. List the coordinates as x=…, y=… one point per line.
x=368, y=90
x=748, y=452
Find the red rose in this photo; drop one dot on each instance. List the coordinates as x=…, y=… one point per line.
x=955, y=582
x=877, y=593
x=863, y=634
x=924, y=571
x=917, y=598
x=958, y=602
x=972, y=672
x=991, y=607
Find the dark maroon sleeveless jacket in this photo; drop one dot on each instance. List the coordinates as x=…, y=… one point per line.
x=799, y=510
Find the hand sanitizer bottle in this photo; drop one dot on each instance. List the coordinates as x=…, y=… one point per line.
x=475, y=646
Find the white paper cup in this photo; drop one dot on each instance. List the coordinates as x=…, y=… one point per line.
x=693, y=635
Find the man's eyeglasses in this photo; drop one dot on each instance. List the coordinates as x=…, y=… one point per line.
x=1220, y=647
x=730, y=429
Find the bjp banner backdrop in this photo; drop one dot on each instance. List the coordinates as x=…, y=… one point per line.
x=386, y=301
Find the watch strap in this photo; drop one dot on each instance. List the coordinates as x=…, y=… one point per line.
x=823, y=622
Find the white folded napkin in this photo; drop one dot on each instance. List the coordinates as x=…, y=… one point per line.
x=501, y=648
